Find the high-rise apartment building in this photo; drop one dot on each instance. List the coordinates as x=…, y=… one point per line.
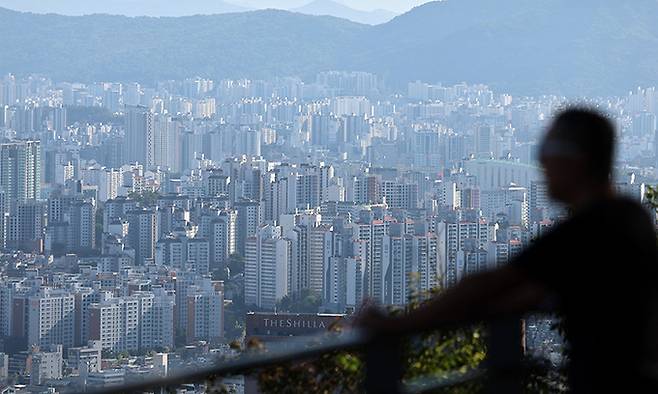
x=218, y=227
x=47, y=364
x=20, y=170
x=205, y=312
x=248, y=219
x=267, y=261
x=143, y=234
x=372, y=237
x=115, y=323
x=181, y=253
x=308, y=251
x=140, y=136
x=51, y=318
x=400, y=195
x=163, y=328
x=367, y=190
x=25, y=226
x=453, y=236
x=71, y=224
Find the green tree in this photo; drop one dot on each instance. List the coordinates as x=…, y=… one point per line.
x=234, y=322
x=306, y=301
x=146, y=197
x=235, y=264
x=651, y=196
x=123, y=356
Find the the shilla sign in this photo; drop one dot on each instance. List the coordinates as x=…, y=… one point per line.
x=277, y=324
x=294, y=323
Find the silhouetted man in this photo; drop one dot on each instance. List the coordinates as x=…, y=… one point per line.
x=600, y=266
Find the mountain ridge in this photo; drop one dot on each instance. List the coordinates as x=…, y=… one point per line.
x=168, y=8
x=553, y=47
x=336, y=9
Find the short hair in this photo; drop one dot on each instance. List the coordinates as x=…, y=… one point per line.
x=591, y=134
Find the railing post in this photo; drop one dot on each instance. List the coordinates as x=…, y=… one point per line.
x=383, y=367
x=504, y=356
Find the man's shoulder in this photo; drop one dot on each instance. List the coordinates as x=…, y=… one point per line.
x=616, y=215
x=618, y=206
x=624, y=201
x=623, y=218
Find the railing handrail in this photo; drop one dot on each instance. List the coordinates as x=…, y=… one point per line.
x=313, y=347
x=383, y=362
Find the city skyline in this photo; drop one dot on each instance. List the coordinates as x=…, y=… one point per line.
x=162, y=216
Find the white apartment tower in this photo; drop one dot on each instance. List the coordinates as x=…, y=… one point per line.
x=205, y=312
x=51, y=318
x=115, y=323
x=20, y=170
x=267, y=261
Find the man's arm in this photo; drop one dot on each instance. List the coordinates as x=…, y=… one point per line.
x=504, y=291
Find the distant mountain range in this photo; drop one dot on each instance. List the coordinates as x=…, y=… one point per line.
x=553, y=46
x=332, y=8
x=176, y=8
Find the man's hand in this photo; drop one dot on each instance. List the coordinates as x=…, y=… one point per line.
x=485, y=295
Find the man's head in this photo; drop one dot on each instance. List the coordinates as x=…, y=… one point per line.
x=577, y=154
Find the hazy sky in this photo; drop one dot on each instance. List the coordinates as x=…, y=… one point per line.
x=186, y=7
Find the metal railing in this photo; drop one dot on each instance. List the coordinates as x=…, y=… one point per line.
x=501, y=372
